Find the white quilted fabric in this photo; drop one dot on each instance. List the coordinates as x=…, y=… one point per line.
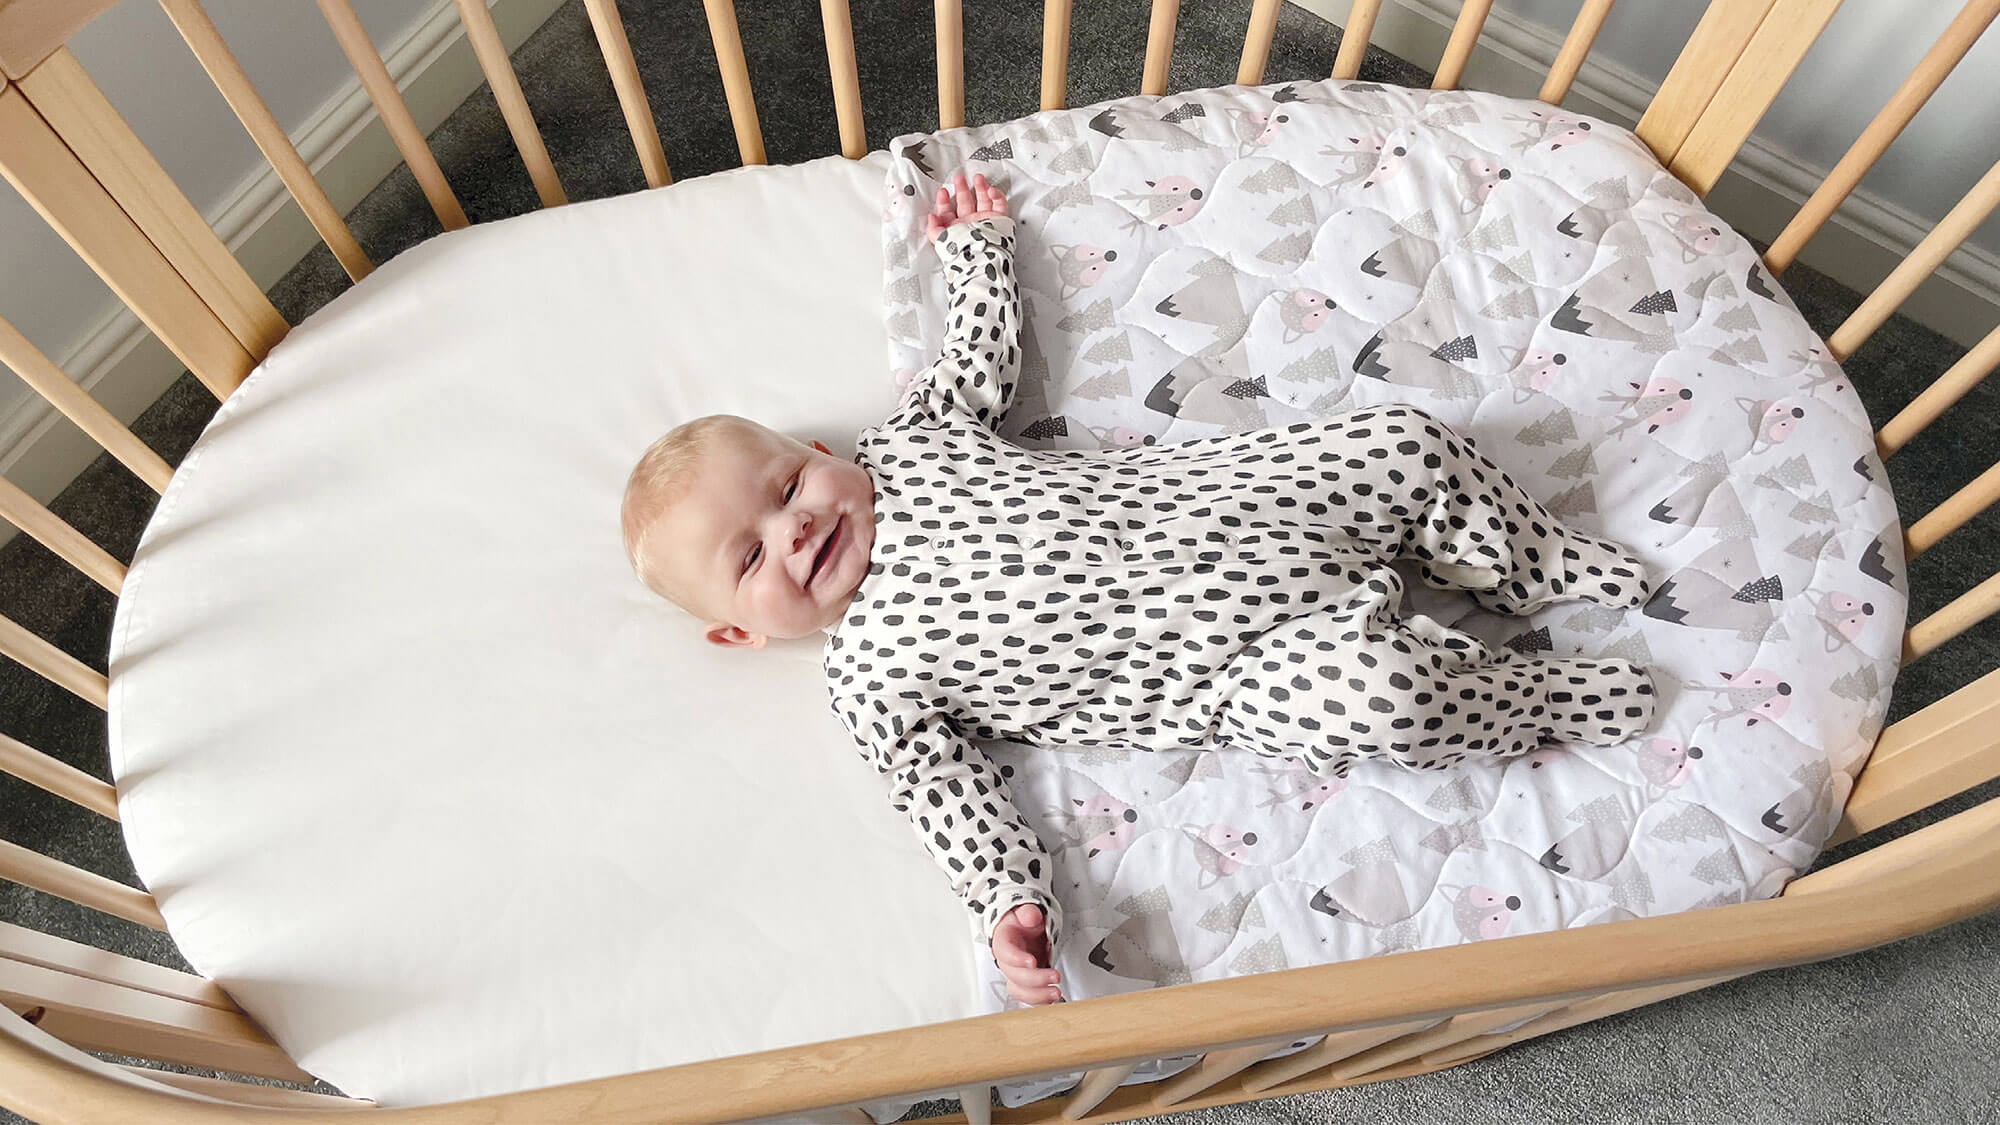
x=1229, y=259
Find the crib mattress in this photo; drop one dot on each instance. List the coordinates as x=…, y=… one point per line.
x=453, y=806
x=418, y=771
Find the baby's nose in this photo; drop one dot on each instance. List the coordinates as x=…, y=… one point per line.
x=803, y=533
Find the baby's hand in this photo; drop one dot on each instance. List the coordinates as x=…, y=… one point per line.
x=1021, y=948
x=977, y=202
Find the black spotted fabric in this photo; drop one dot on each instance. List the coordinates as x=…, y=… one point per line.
x=1229, y=592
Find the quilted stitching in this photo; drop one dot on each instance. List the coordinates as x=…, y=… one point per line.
x=1229, y=259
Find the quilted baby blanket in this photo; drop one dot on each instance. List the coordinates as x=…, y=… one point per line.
x=1230, y=259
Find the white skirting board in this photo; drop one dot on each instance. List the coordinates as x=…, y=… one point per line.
x=1763, y=188
x=125, y=367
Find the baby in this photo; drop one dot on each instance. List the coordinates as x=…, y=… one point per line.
x=1228, y=592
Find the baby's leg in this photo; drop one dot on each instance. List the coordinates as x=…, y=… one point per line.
x=1333, y=690
x=1413, y=486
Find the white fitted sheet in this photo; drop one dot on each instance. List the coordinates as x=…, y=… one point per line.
x=418, y=771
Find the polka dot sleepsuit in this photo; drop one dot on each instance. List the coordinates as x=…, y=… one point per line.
x=1228, y=592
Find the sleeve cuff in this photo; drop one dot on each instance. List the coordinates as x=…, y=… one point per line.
x=990, y=229
x=1008, y=900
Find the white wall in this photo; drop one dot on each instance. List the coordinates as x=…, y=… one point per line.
x=151, y=78
x=1863, y=55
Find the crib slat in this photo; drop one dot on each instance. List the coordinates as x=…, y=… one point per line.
x=1947, y=389
x=33, y=947
x=1055, y=53
x=1453, y=1030
x=1257, y=42
x=1576, y=47
x=735, y=79
x=97, y=1016
x=1581, y=1012
x=506, y=87
x=1939, y=752
x=950, y=22
x=49, y=176
x=234, y=85
x=1965, y=611
x=1464, y=37
x=1214, y=1067
x=1335, y=1047
x=1888, y=124
x=617, y=52
x=71, y=103
x=838, y=27
x=49, y=529
x=1951, y=515
x=1354, y=37
x=85, y=888
x=977, y=1104
x=53, y=664
x=1093, y=1088
x=1959, y=222
x=40, y=372
x=63, y=780
x=1717, y=43
x=1753, y=84
x=388, y=101
x=1160, y=46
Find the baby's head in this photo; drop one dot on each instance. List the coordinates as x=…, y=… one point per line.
x=753, y=532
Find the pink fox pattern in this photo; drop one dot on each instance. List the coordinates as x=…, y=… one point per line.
x=1532, y=276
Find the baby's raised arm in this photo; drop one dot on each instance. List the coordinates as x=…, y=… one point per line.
x=981, y=356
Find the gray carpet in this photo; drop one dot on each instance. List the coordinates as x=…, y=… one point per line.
x=1906, y=1031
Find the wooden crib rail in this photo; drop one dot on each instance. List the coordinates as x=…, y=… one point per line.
x=78, y=163
x=1937, y=753
x=506, y=87
x=49, y=175
x=1464, y=37
x=1888, y=124
x=948, y=18
x=230, y=80
x=1941, y=873
x=1958, y=223
x=1257, y=42
x=395, y=113
x=18, y=759
x=617, y=51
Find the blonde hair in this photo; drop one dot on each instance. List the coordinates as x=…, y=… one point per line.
x=658, y=482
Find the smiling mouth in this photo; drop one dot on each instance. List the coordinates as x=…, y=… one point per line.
x=825, y=551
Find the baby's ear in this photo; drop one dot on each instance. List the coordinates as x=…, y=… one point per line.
x=729, y=636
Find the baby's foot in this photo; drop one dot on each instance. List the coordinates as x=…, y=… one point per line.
x=1600, y=571
x=1602, y=702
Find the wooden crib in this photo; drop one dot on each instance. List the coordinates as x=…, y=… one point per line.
x=67, y=151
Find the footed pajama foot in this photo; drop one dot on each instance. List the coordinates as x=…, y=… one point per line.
x=1601, y=702
x=1592, y=569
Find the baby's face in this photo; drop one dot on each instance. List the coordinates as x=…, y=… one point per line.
x=772, y=539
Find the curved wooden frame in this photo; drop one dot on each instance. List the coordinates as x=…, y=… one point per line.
x=66, y=149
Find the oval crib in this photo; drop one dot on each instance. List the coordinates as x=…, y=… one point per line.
x=67, y=151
